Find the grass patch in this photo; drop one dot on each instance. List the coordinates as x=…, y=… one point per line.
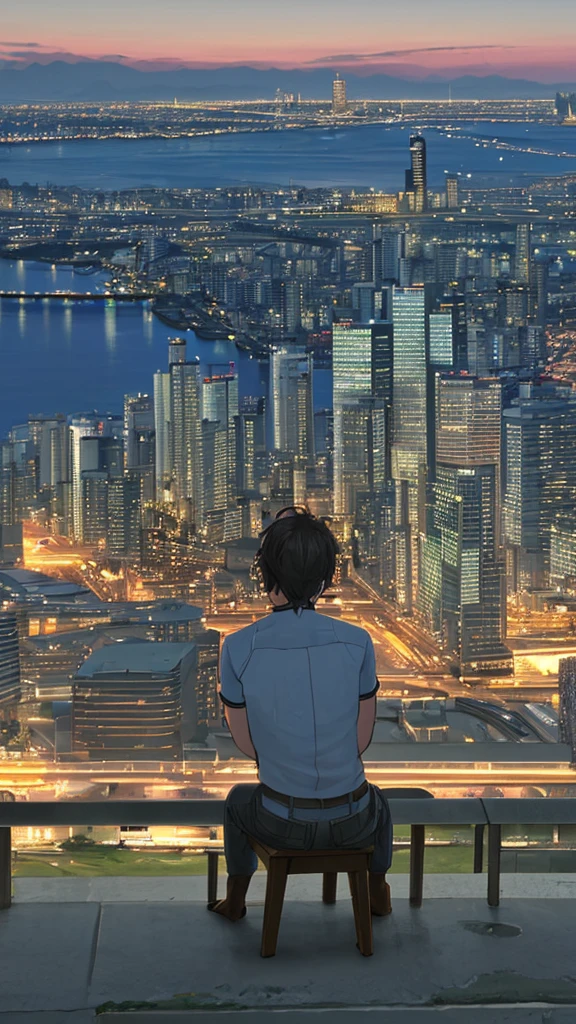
x=104, y=861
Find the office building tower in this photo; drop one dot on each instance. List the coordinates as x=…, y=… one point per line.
x=563, y=553
x=162, y=435
x=11, y=545
x=455, y=306
x=96, y=445
x=139, y=431
x=469, y=607
x=409, y=384
x=9, y=660
x=339, y=102
x=178, y=428
x=540, y=473
x=220, y=405
x=215, y=451
x=362, y=462
x=567, y=702
x=364, y=301
x=251, y=449
x=409, y=433
x=452, y=191
x=416, y=177
x=351, y=381
x=135, y=701
x=523, y=253
x=291, y=391
x=390, y=245
x=468, y=420
x=532, y=342
x=461, y=590
x=124, y=514
x=441, y=341
x=541, y=275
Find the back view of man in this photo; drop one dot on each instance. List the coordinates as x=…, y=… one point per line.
x=299, y=692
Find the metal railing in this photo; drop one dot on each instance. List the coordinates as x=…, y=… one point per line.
x=418, y=813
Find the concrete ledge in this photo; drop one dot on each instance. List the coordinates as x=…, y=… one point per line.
x=192, y=889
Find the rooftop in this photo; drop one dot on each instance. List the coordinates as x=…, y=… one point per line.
x=97, y=941
x=138, y=657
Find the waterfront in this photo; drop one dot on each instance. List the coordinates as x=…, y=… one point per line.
x=74, y=357
x=365, y=155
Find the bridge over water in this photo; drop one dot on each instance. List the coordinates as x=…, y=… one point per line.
x=80, y=296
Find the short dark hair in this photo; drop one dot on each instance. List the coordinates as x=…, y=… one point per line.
x=297, y=556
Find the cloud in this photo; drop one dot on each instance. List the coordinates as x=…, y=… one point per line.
x=28, y=46
x=352, y=57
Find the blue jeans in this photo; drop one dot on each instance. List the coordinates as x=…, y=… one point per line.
x=246, y=816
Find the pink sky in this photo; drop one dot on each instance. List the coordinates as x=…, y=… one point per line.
x=519, y=38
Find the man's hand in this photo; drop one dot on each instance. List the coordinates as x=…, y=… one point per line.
x=237, y=719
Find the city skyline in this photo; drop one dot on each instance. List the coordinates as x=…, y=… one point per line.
x=449, y=40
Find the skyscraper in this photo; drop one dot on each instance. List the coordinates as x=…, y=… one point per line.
x=292, y=401
x=523, y=253
x=178, y=434
x=409, y=433
x=220, y=404
x=9, y=660
x=339, y=102
x=416, y=177
x=461, y=590
x=351, y=381
x=540, y=471
x=452, y=191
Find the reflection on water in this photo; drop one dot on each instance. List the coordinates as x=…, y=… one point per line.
x=65, y=356
x=67, y=319
x=110, y=326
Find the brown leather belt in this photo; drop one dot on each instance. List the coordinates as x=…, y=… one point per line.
x=299, y=801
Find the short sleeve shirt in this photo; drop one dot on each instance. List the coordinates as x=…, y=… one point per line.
x=300, y=677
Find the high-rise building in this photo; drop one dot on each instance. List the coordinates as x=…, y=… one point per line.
x=362, y=466
x=523, y=253
x=291, y=392
x=9, y=660
x=220, y=405
x=178, y=430
x=250, y=444
x=452, y=191
x=416, y=177
x=96, y=445
x=351, y=381
x=409, y=433
x=339, y=102
x=461, y=590
x=563, y=553
x=567, y=702
x=540, y=473
x=409, y=384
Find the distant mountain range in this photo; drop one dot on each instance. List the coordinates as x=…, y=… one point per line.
x=87, y=81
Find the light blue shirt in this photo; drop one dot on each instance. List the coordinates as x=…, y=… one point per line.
x=300, y=678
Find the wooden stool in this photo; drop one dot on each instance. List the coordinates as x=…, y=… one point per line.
x=281, y=863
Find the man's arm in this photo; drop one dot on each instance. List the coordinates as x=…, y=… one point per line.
x=232, y=697
x=366, y=720
x=369, y=686
x=237, y=719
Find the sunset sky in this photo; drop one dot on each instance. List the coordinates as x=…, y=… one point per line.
x=519, y=38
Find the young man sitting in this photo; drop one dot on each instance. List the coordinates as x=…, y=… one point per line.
x=299, y=692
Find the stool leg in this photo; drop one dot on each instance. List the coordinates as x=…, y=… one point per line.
x=329, y=884
x=358, y=881
x=417, y=843
x=212, y=876
x=275, y=889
